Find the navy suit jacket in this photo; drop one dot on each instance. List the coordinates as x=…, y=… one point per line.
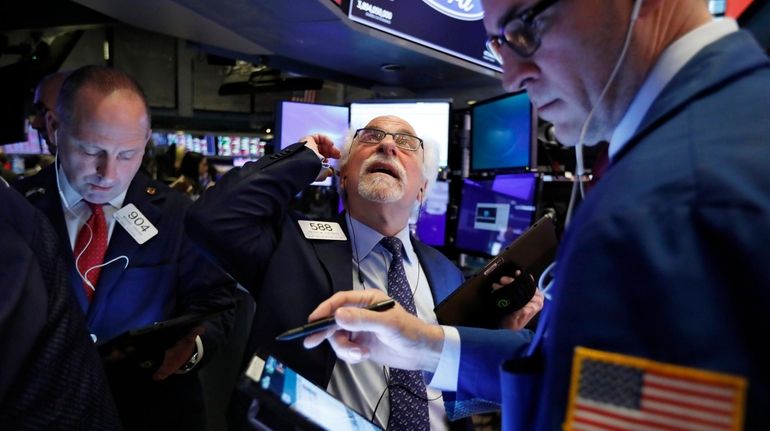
x=245, y=223
x=50, y=373
x=166, y=277
x=667, y=258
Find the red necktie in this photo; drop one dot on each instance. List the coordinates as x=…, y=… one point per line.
x=90, y=247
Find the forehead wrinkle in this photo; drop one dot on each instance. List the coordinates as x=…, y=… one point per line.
x=399, y=129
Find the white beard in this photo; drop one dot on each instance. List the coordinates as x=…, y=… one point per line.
x=381, y=187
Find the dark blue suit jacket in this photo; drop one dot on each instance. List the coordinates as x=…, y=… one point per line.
x=166, y=277
x=50, y=373
x=667, y=258
x=245, y=223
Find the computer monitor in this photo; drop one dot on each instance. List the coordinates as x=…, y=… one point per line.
x=33, y=144
x=239, y=146
x=296, y=120
x=503, y=135
x=494, y=212
x=430, y=118
x=197, y=142
x=430, y=223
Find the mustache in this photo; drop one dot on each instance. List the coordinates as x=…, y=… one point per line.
x=391, y=162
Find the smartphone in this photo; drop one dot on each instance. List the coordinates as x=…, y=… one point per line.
x=300, y=401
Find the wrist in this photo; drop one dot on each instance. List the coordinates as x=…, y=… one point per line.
x=194, y=359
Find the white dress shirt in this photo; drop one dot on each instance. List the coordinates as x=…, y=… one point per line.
x=361, y=385
x=77, y=212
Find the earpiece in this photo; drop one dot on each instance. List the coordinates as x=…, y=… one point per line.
x=56, y=173
x=635, y=11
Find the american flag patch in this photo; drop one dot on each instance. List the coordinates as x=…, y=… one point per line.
x=610, y=392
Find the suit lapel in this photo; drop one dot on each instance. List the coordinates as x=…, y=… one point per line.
x=435, y=281
x=336, y=258
x=45, y=197
x=50, y=203
x=709, y=69
x=121, y=243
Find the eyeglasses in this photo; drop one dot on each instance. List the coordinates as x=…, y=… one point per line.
x=519, y=32
x=375, y=136
x=40, y=109
x=38, y=112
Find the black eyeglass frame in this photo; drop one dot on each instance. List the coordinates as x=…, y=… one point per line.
x=525, y=31
x=394, y=135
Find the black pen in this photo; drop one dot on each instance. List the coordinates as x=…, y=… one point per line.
x=328, y=322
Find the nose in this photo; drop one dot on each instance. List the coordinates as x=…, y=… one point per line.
x=388, y=146
x=517, y=71
x=106, y=168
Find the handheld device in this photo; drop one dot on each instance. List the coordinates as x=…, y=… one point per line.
x=328, y=322
x=295, y=400
x=144, y=347
x=475, y=304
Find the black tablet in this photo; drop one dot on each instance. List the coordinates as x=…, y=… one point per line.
x=297, y=402
x=475, y=304
x=144, y=347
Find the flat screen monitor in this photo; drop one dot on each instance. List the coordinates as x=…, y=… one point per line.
x=197, y=142
x=430, y=118
x=451, y=27
x=33, y=144
x=494, y=212
x=296, y=120
x=503, y=134
x=430, y=224
x=239, y=146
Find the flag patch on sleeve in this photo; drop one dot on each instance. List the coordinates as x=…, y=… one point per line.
x=609, y=391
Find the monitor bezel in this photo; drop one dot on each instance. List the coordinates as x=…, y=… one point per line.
x=537, y=189
x=532, y=162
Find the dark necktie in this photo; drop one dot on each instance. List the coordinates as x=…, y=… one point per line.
x=408, y=397
x=90, y=247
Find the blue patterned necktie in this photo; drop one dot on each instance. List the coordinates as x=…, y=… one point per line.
x=408, y=397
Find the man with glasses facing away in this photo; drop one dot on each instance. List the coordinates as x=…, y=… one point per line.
x=291, y=264
x=658, y=311
x=46, y=95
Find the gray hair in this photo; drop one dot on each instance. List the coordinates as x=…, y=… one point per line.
x=429, y=160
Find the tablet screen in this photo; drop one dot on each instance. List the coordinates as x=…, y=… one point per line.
x=307, y=399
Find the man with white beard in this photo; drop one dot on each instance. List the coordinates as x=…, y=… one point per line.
x=290, y=264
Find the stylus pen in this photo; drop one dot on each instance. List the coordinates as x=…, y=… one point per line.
x=328, y=322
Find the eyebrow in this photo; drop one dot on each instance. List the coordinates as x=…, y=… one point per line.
x=509, y=14
x=401, y=130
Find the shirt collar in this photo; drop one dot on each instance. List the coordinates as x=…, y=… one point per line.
x=671, y=61
x=72, y=197
x=366, y=238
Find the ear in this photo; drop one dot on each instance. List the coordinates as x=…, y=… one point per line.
x=648, y=7
x=343, y=174
x=421, y=194
x=52, y=127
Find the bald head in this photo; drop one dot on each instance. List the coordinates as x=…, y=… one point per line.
x=99, y=80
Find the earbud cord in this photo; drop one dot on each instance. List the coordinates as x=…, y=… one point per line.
x=84, y=275
x=90, y=231
x=358, y=260
x=355, y=250
x=579, y=168
x=398, y=385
